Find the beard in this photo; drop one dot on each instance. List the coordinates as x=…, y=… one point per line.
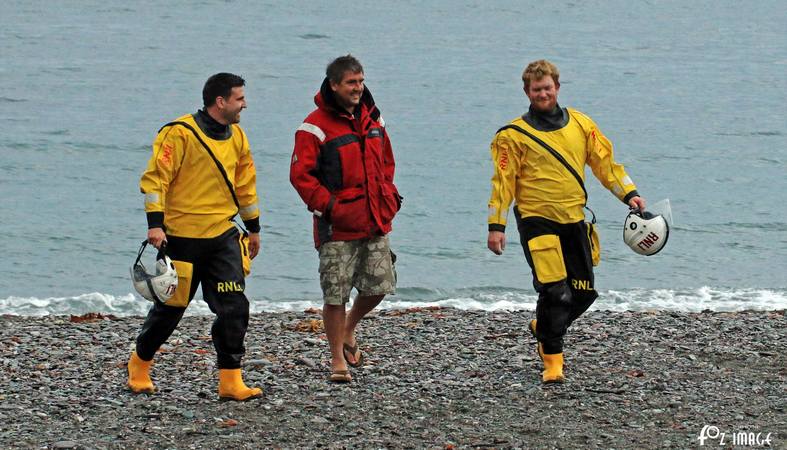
x=232, y=116
x=546, y=106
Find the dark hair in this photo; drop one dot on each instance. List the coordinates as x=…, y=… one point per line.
x=336, y=69
x=220, y=85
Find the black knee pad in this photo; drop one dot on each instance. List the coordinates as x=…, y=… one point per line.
x=558, y=293
x=559, y=302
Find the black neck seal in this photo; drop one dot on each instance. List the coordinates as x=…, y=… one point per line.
x=547, y=121
x=211, y=127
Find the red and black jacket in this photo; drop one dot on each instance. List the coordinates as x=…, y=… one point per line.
x=343, y=169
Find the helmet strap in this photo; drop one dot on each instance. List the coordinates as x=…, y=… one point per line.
x=152, y=291
x=141, y=250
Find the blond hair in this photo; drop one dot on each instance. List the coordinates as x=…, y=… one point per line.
x=537, y=70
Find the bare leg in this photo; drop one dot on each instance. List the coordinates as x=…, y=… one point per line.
x=362, y=305
x=333, y=318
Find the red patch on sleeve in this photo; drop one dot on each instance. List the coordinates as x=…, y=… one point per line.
x=503, y=162
x=166, y=154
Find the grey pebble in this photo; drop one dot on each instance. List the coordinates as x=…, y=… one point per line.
x=306, y=362
x=431, y=379
x=257, y=363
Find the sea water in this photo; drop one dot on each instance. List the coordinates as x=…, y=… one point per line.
x=692, y=94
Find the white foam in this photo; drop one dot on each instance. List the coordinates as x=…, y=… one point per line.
x=696, y=300
x=686, y=300
x=91, y=302
x=506, y=301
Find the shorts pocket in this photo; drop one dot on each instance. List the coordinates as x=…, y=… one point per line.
x=185, y=272
x=547, y=258
x=336, y=259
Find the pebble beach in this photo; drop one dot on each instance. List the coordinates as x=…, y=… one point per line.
x=432, y=378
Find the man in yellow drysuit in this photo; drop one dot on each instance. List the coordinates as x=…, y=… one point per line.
x=202, y=174
x=540, y=163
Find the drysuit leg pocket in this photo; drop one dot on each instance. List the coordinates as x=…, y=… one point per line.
x=185, y=274
x=547, y=258
x=595, y=243
x=243, y=240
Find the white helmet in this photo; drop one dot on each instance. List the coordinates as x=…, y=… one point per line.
x=644, y=232
x=158, y=287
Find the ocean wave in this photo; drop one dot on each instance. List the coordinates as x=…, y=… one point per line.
x=484, y=299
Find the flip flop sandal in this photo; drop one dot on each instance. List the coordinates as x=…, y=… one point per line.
x=341, y=376
x=353, y=351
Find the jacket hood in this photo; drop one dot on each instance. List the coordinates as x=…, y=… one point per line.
x=325, y=99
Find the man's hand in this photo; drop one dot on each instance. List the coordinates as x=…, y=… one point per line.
x=496, y=242
x=156, y=237
x=254, y=244
x=637, y=203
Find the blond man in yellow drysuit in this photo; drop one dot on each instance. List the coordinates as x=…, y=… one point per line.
x=539, y=164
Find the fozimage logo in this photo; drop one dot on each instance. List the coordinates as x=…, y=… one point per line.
x=712, y=434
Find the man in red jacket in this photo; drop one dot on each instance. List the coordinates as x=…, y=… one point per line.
x=343, y=169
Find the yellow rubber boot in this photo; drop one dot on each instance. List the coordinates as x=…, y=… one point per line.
x=231, y=386
x=553, y=368
x=139, y=375
x=539, y=347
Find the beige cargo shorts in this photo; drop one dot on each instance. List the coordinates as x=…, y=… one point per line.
x=366, y=265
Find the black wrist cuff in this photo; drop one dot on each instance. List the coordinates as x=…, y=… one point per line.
x=497, y=227
x=252, y=225
x=630, y=195
x=155, y=220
